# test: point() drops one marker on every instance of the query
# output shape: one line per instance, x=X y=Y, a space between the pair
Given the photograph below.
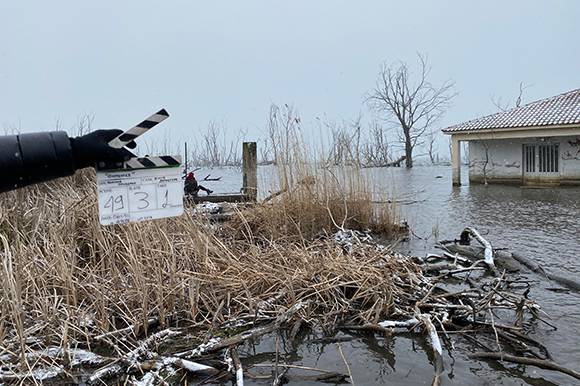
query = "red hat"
x=190 y=176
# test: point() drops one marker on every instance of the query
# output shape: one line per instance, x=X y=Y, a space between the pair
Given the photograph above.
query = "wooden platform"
x=222 y=197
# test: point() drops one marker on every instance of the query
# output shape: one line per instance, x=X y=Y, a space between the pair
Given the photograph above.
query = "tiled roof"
x=563 y=109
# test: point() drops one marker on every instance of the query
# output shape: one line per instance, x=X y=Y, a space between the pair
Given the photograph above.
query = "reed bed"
x=139 y=303
x=66 y=279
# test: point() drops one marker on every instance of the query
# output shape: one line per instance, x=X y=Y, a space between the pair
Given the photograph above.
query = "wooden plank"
x=224 y=197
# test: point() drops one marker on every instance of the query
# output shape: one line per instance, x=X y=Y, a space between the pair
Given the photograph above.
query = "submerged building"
x=534 y=144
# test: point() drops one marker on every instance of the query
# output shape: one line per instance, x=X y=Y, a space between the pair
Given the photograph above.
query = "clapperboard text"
x=144 y=188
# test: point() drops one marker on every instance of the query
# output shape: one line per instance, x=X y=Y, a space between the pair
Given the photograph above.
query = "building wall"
x=504 y=160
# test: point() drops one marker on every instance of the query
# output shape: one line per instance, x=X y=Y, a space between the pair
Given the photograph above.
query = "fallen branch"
x=536 y=268
x=394 y=323
x=280 y=379
x=216 y=344
x=238 y=370
x=145 y=347
x=345 y=363
x=541 y=363
x=208 y=178
x=131 y=359
x=396 y=163
x=488 y=253
x=298 y=367
x=436 y=344
x=128 y=329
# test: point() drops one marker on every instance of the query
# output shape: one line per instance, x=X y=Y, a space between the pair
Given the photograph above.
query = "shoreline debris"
x=165 y=300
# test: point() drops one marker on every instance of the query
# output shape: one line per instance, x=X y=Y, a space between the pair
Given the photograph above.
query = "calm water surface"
x=542 y=224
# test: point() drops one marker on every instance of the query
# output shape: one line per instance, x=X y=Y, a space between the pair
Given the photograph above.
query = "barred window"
x=548 y=158
x=530 y=158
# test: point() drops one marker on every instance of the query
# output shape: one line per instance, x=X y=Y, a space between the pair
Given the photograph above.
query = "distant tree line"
x=407 y=104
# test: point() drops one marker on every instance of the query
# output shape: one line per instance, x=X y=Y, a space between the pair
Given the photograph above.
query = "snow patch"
x=146 y=380
x=207 y=208
x=395 y=323
x=47 y=372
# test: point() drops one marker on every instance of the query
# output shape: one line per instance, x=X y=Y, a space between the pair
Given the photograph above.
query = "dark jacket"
x=30 y=158
x=191 y=186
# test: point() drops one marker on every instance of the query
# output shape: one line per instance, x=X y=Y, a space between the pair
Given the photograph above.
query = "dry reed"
x=66 y=279
x=70 y=286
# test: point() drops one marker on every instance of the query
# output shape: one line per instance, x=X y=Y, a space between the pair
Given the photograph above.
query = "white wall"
x=570 y=157
x=505 y=158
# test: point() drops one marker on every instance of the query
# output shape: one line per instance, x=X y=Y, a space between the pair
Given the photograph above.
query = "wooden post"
x=250 y=170
x=455 y=161
x=185 y=159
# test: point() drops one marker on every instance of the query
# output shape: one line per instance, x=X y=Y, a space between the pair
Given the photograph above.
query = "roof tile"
x=556 y=110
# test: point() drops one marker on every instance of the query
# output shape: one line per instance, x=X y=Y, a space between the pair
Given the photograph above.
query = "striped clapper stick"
x=153 y=162
x=139 y=129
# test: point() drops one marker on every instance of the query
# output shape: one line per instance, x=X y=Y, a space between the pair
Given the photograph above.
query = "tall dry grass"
x=66 y=279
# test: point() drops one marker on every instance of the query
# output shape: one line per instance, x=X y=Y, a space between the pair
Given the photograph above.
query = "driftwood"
x=397 y=162
x=233 y=360
x=209 y=178
x=132 y=359
x=534 y=267
x=421 y=303
x=542 y=363
x=216 y=344
x=503 y=260
x=488 y=250
x=394 y=163
x=512 y=261
x=127 y=330
x=437 y=349
x=324 y=376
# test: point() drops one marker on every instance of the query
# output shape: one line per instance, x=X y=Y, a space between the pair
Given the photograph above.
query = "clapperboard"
x=141 y=189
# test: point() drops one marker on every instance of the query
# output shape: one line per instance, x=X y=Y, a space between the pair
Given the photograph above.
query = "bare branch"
x=504 y=106
x=410 y=101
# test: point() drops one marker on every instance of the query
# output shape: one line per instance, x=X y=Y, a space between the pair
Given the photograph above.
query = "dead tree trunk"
x=408 y=149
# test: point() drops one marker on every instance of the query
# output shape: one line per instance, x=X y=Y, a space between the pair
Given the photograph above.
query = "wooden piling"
x=250 y=170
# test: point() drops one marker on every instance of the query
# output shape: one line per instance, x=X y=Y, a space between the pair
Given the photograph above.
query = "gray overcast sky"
x=228 y=60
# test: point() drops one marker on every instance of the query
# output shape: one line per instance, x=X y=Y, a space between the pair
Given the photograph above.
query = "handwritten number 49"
x=115 y=203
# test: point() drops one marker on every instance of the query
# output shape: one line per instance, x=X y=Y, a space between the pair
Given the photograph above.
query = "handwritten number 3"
x=143 y=200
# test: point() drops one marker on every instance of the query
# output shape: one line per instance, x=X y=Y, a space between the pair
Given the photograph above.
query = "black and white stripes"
x=139 y=129
x=153 y=162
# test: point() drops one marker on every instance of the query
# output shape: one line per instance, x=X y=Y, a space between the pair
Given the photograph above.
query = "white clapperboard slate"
x=143 y=188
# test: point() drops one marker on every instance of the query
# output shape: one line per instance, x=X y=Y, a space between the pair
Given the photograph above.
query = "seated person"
x=192 y=187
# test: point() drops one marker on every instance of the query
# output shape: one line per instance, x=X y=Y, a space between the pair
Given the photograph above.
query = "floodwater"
x=541 y=224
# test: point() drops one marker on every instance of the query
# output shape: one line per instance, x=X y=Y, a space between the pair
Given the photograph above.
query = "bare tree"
x=345 y=145
x=216 y=148
x=410 y=101
x=486 y=164
x=376 y=151
x=432 y=146
x=84 y=124
x=504 y=106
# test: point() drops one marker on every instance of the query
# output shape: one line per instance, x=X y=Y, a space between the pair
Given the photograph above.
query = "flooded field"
x=542 y=224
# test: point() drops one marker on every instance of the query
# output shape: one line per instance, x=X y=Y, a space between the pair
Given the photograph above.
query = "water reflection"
x=543 y=224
